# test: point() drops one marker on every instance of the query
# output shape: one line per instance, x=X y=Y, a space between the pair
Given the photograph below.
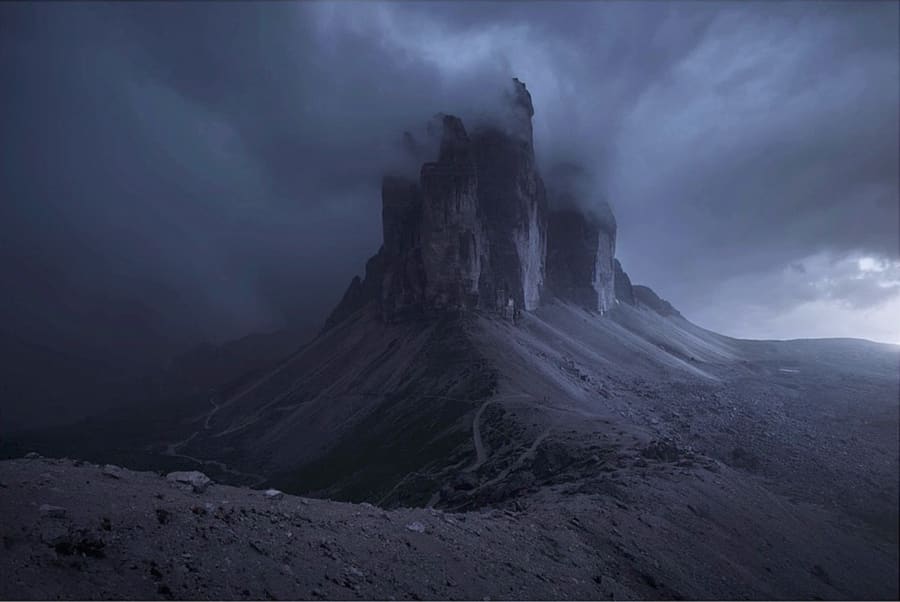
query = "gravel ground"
x=81 y=531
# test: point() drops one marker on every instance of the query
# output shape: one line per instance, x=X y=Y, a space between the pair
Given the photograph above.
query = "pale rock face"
x=513 y=200
x=603 y=280
x=531 y=246
x=581 y=259
x=623 y=289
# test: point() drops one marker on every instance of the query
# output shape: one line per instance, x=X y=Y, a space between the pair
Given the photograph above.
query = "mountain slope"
x=496 y=354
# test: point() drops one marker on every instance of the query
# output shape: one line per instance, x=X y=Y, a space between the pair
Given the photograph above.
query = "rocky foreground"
x=82 y=531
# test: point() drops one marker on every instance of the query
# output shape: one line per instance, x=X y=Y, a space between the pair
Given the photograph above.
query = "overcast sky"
x=176 y=172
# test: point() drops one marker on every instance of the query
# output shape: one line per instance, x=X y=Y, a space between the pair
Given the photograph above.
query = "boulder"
x=194 y=480
x=415 y=527
x=50 y=511
x=112 y=471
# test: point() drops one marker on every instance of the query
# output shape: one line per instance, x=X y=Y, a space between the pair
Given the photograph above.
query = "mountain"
x=83 y=531
x=403 y=360
x=495 y=354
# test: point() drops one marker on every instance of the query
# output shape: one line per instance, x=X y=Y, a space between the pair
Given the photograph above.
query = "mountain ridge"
x=495 y=355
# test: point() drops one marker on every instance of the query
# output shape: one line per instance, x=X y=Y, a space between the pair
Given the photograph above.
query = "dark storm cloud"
x=213 y=168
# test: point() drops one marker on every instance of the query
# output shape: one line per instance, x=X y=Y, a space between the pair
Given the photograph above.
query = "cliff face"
x=622 y=284
x=514 y=206
x=474 y=232
x=454 y=246
x=646 y=297
x=580 y=259
x=401 y=287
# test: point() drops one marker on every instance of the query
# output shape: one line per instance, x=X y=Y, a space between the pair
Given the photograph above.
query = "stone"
x=113 y=471
x=50 y=511
x=662 y=450
x=193 y=480
x=416 y=527
x=53 y=533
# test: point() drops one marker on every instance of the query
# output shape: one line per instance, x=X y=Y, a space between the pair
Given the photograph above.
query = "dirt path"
x=255 y=479
x=173 y=450
x=216 y=407
x=527 y=453
x=480 y=455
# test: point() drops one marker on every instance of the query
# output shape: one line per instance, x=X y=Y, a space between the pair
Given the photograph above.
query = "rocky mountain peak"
x=475 y=231
x=455 y=144
x=522 y=97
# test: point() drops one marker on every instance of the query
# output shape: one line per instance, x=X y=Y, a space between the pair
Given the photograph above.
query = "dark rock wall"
x=580 y=259
x=622 y=284
x=514 y=205
x=403 y=285
x=453 y=239
x=475 y=232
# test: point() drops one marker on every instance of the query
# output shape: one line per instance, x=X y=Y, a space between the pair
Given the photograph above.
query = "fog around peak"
x=184 y=172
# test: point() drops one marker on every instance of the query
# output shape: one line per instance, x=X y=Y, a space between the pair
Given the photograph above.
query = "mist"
x=180 y=173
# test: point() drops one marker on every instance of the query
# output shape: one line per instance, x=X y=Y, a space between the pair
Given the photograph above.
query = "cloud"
x=216 y=166
x=822 y=295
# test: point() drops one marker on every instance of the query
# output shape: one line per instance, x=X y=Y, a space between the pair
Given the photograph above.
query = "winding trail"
x=216 y=408
x=174 y=450
x=480 y=454
x=527 y=453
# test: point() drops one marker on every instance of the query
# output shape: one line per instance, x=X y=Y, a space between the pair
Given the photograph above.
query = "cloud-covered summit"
x=181 y=171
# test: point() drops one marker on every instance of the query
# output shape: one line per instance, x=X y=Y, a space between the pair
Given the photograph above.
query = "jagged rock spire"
x=472 y=232
x=523 y=97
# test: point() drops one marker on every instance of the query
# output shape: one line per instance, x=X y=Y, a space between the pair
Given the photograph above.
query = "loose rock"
x=112 y=471
x=52 y=511
x=195 y=480
x=416 y=527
